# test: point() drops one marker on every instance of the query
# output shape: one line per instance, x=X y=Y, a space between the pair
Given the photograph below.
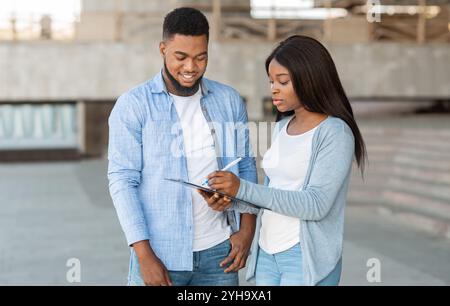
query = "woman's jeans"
x=206 y=269
x=286 y=269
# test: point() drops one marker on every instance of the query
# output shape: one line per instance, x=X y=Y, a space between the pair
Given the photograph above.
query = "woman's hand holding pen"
x=225 y=182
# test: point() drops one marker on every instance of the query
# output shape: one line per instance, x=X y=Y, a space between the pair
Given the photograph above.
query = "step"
x=438 y=132
x=435 y=190
x=427 y=144
x=422 y=204
x=388 y=170
x=408 y=163
x=416 y=221
x=437 y=206
x=419 y=219
x=384 y=149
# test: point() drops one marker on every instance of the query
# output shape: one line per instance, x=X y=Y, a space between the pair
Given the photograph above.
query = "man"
x=169 y=127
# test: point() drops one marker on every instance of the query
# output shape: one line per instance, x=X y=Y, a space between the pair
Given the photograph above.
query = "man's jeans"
x=206 y=269
x=286 y=269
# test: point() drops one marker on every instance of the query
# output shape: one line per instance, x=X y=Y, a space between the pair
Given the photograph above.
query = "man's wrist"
x=248 y=223
x=144 y=251
x=246 y=231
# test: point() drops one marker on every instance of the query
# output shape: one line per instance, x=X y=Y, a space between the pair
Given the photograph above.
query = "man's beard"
x=182 y=90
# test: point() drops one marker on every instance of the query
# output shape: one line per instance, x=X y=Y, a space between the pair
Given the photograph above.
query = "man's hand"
x=216 y=201
x=153 y=271
x=241 y=242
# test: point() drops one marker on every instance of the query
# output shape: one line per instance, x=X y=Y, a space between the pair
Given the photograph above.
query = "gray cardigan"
x=319 y=204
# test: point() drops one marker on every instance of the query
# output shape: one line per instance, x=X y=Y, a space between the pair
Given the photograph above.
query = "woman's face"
x=283 y=93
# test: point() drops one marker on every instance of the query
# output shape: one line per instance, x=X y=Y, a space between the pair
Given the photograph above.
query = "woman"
x=299 y=233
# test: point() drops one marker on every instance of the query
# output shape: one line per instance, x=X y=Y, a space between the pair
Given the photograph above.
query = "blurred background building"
x=64 y=63
x=63 y=66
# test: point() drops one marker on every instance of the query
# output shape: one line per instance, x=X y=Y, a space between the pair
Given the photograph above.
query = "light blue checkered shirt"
x=146 y=146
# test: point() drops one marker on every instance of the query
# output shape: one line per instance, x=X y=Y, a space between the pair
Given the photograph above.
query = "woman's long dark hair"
x=317 y=85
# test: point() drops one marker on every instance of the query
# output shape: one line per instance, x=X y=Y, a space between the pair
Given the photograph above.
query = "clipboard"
x=208 y=190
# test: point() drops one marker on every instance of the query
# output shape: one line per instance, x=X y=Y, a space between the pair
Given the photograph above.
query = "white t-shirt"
x=210 y=226
x=285 y=163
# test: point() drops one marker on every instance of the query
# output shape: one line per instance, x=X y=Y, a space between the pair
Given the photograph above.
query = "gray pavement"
x=52 y=212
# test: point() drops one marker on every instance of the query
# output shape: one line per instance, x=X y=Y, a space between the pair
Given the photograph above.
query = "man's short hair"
x=185 y=21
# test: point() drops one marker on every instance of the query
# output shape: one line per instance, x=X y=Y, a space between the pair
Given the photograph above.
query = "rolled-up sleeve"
x=125 y=166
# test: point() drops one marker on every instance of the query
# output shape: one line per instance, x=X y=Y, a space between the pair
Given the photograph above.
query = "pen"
x=234 y=162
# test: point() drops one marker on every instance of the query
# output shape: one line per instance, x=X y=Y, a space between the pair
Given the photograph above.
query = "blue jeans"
x=286 y=269
x=206 y=269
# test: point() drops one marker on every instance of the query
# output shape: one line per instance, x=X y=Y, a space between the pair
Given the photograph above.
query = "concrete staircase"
x=408 y=176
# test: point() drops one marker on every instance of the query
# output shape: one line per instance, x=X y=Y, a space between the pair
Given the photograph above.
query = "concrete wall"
x=31 y=71
x=141 y=6
x=355 y=29
x=398 y=70
x=122 y=20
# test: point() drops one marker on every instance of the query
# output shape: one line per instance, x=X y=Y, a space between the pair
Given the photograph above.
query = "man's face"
x=185 y=60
